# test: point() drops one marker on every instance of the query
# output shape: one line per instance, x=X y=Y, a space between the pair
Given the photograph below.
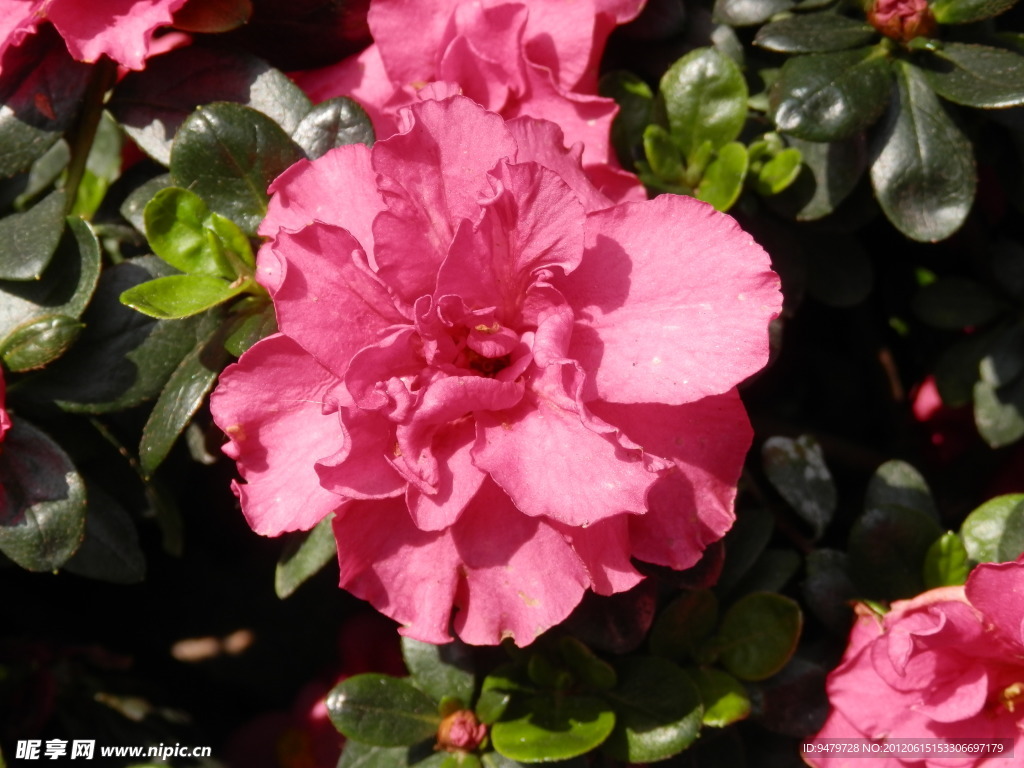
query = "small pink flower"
x=504 y=386
x=902 y=20
x=120 y=29
x=948 y=664
x=538 y=59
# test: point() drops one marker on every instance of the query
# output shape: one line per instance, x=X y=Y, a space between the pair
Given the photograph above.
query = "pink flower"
x=5 y=419
x=503 y=386
x=902 y=20
x=120 y=29
x=948 y=664
x=514 y=58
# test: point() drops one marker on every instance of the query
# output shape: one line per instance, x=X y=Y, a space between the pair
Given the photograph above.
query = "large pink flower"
x=948 y=664
x=503 y=386
x=120 y=29
x=514 y=58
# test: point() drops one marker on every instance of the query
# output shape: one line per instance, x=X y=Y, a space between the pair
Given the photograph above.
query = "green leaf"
x=636 y=105
x=705 y=99
x=923 y=171
x=955 y=303
x=725 y=698
x=181 y=231
x=999 y=412
x=657 y=710
x=744 y=13
x=110 y=550
x=814 y=33
x=64 y=289
x=30 y=238
x=152 y=104
x=134 y=206
x=359 y=755
x=1004 y=360
x=39 y=342
x=44 y=172
x=228 y=154
x=974 y=75
x=887 y=548
x=591 y=671
x=967 y=11
x=42 y=513
x=176 y=296
x=798 y=471
x=496 y=693
x=547 y=729
x=957 y=369
x=994 y=532
x=40 y=94
x=382 y=711
x=684 y=625
x=896 y=483
x=724 y=176
x=123 y=357
x=744 y=543
x=778 y=173
x=102 y=167
x=662 y=154
x=828 y=176
x=945 y=564
x=758 y=635
x=770 y=572
x=839 y=271
x=303 y=556
x=1008 y=267
x=250 y=327
x=440 y=670
x=333 y=123
x=828 y=590
x=184 y=393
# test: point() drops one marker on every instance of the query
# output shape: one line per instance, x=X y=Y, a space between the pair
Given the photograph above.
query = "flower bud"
x=902 y=20
x=460 y=732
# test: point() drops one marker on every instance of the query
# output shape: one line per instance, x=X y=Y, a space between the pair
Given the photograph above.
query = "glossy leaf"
x=831 y=96
x=798 y=471
x=333 y=123
x=110 y=550
x=684 y=625
x=887 y=548
x=636 y=104
x=496 y=693
x=974 y=75
x=955 y=303
x=181 y=231
x=828 y=176
x=742 y=13
x=896 y=483
x=250 y=328
x=134 y=206
x=966 y=11
x=758 y=635
x=814 y=33
x=994 y=532
x=228 y=154
x=42 y=512
x=945 y=564
x=30 y=238
x=440 y=670
x=827 y=590
x=303 y=556
x=723 y=178
x=770 y=572
x=705 y=99
x=923 y=171
x=657 y=710
x=546 y=729
x=724 y=697
x=102 y=167
x=999 y=412
x=356 y=754
x=382 y=711
x=39 y=342
x=744 y=543
x=590 y=671
x=152 y=104
x=778 y=173
x=1004 y=360
x=662 y=154
x=176 y=296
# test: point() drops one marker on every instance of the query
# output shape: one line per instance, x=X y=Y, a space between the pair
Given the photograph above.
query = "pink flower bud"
x=902 y=20
x=460 y=732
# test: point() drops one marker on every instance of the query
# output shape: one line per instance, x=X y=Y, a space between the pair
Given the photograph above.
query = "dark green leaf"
x=333 y=123
x=590 y=671
x=110 y=550
x=152 y=104
x=723 y=178
x=39 y=342
x=923 y=171
x=1008 y=267
x=966 y=11
x=999 y=412
x=887 y=548
x=102 y=167
x=829 y=174
x=744 y=13
x=382 y=711
x=770 y=573
x=945 y=564
x=957 y=369
x=176 y=296
x=797 y=470
x=994 y=532
x=839 y=272
x=43 y=173
x=657 y=710
x=831 y=96
x=724 y=697
x=122 y=357
x=554 y=729
x=684 y=625
x=228 y=154
x=1004 y=360
x=184 y=393
x=181 y=231
x=814 y=33
x=636 y=105
x=303 y=556
x=758 y=635
x=705 y=99
x=359 y=755
x=828 y=590
x=251 y=328
x=496 y=693
x=896 y=483
x=30 y=238
x=134 y=206
x=440 y=670
x=42 y=513
x=974 y=75
x=954 y=303
x=40 y=94
x=744 y=543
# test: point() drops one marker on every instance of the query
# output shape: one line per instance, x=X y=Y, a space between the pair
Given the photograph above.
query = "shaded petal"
x=507 y=589
x=360 y=470
x=431 y=178
x=672 y=302
x=410 y=58
x=327 y=299
x=997 y=590
x=121 y=29
x=457 y=483
x=604 y=548
x=270 y=406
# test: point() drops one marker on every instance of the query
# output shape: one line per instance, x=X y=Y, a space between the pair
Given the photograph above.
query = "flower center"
x=488 y=367
x=1011 y=697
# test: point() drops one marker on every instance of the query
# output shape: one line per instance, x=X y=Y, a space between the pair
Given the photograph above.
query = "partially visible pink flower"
x=5 y=419
x=515 y=58
x=948 y=664
x=504 y=386
x=902 y=20
x=120 y=29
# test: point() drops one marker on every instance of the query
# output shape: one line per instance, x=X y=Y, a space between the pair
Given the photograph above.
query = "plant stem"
x=80 y=138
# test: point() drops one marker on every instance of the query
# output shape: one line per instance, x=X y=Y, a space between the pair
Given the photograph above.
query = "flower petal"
x=360 y=470
x=604 y=548
x=457 y=483
x=997 y=590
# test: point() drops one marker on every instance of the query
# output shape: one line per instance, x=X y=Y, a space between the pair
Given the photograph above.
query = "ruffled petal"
x=997 y=590
x=605 y=550
x=360 y=470
x=457 y=483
